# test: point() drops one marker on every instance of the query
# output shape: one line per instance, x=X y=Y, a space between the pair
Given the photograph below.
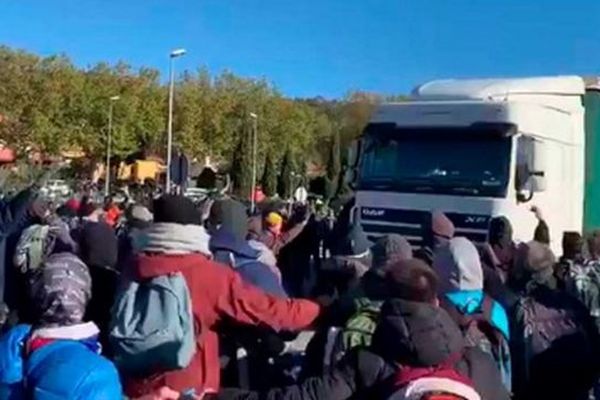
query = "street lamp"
x=254 y=117
x=112 y=100
x=174 y=54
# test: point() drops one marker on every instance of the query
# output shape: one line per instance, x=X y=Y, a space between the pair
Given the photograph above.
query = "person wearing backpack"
x=483 y=321
x=353 y=317
x=228 y=228
x=16 y=214
x=175 y=272
x=416 y=347
x=58 y=357
x=555 y=342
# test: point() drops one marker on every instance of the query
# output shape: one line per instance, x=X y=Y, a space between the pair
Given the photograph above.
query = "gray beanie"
x=60 y=290
x=539 y=257
x=390 y=248
x=458 y=266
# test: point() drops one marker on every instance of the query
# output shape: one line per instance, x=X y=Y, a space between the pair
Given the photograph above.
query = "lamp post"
x=174 y=54
x=254 y=118
x=112 y=100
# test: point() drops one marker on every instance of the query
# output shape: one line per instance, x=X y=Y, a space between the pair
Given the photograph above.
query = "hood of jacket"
x=223 y=240
x=416 y=334
x=459 y=266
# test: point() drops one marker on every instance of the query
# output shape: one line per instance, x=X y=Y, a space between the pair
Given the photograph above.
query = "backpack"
x=583 y=283
x=480 y=332
x=547 y=317
x=358 y=331
x=442 y=382
x=152 y=328
x=29 y=253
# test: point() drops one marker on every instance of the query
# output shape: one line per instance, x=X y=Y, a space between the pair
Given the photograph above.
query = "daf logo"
x=474 y=219
x=372 y=212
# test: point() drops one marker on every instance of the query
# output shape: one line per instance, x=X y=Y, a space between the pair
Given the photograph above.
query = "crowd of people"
x=174 y=300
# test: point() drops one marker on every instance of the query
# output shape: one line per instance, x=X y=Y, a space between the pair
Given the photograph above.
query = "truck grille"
x=378 y=222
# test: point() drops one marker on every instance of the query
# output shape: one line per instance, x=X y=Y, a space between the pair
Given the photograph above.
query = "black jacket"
x=15 y=216
x=409 y=333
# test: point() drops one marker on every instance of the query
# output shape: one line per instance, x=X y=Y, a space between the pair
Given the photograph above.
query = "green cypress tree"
x=241 y=167
x=285 y=181
x=334 y=167
x=269 y=178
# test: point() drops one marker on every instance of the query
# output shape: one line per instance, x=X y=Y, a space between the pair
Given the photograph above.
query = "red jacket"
x=216 y=292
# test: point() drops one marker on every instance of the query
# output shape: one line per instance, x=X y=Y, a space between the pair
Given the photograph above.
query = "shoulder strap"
x=457 y=316
x=486 y=307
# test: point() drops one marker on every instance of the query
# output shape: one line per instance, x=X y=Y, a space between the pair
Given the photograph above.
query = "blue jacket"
x=469 y=302
x=64 y=369
x=244 y=259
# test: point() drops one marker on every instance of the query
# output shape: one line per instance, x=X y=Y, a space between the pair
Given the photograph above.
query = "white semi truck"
x=476 y=149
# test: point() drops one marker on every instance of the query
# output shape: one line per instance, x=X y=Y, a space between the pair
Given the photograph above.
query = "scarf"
x=168 y=238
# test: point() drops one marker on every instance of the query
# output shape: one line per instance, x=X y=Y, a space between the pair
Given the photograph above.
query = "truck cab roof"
x=498 y=89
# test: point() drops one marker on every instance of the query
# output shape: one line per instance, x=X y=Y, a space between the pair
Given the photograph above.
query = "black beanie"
x=98 y=245
x=176 y=210
x=354 y=243
x=231 y=216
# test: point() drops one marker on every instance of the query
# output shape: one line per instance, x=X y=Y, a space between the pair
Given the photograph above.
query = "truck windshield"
x=437 y=161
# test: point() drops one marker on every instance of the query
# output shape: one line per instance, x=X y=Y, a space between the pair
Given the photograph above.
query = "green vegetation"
x=50 y=105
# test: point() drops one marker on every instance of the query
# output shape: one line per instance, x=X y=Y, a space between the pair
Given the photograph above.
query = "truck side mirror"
x=537 y=170
x=531 y=168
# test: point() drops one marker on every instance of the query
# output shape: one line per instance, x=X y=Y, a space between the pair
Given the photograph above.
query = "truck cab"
x=474 y=149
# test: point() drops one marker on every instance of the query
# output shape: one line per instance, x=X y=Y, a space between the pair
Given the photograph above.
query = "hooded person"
x=35 y=245
x=555 y=343
x=59 y=356
x=413 y=334
x=437 y=232
x=461 y=287
x=351 y=259
x=228 y=228
x=98 y=248
x=177 y=243
x=16 y=214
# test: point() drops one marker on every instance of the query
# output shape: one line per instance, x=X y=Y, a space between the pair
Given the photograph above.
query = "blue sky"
x=319 y=47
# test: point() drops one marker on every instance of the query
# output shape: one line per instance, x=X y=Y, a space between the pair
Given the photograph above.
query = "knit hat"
x=98 y=245
x=390 y=248
x=354 y=243
x=176 y=210
x=441 y=225
x=458 y=266
x=60 y=291
x=230 y=215
x=539 y=257
x=139 y=216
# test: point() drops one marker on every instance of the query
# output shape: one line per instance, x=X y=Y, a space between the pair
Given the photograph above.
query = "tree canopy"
x=50 y=105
